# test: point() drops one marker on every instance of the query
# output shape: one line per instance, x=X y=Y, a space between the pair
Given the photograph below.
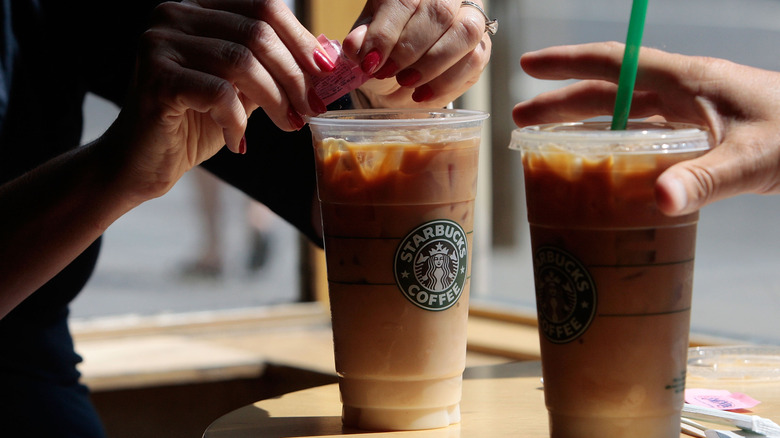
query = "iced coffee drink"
x=613 y=275
x=397 y=194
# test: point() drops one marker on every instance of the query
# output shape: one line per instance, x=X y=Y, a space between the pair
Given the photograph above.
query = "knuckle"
x=258 y=33
x=405 y=49
x=148 y=40
x=153 y=50
x=614 y=49
x=237 y=57
x=152 y=38
x=441 y=13
x=383 y=35
x=264 y=8
x=222 y=91
x=706 y=183
x=411 y=5
x=166 y=12
x=480 y=57
x=472 y=29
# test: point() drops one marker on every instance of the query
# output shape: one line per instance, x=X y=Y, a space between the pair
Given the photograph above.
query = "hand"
x=739 y=104
x=434 y=49
x=204 y=66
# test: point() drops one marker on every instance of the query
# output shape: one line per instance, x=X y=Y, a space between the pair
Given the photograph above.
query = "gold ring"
x=491 y=26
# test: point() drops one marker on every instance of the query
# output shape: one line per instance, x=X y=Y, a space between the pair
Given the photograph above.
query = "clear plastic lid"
x=748 y=363
x=404 y=125
x=597 y=138
x=398 y=118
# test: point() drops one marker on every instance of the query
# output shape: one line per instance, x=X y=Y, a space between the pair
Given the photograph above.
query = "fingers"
x=258 y=23
x=169 y=90
x=265 y=52
x=739 y=104
x=447 y=85
x=584 y=61
x=657 y=71
x=433 y=24
x=603 y=61
x=396 y=34
x=465 y=46
x=583 y=100
x=668 y=85
x=575 y=102
x=436 y=48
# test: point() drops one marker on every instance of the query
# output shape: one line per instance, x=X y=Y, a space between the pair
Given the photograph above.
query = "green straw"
x=628 y=69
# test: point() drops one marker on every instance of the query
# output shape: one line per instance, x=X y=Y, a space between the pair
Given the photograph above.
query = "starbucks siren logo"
x=565 y=295
x=430 y=264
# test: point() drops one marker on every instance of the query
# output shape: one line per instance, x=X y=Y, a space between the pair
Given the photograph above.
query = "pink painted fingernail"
x=295 y=119
x=242 y=145
x=408 y=77
x=316 y=104
x=387 y=70
x=323 y=62
x=422 y=93
x=371 y=62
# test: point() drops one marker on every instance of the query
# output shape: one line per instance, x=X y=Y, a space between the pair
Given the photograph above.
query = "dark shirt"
x=53 y=52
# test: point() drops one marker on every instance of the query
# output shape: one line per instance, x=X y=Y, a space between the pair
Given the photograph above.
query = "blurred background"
x=163 y=258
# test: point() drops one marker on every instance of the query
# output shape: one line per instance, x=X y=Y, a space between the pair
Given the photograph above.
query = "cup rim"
x=397 y=117
x=638 y=137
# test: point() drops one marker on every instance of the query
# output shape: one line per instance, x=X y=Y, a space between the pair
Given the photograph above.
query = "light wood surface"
x=512 y=389
x=136 y=352
x=498 y=401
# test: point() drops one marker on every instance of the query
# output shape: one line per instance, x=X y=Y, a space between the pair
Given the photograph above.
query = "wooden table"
x=498 y=401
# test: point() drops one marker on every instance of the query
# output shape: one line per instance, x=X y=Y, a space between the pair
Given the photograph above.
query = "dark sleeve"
x=107 y=34
x=277 y=170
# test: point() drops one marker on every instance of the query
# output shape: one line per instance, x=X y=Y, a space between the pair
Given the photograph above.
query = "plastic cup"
x=613 y=275
x=396 y=191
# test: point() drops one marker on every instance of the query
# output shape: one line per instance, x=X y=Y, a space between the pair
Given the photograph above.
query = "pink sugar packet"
x=346 y=77
x=719 y=399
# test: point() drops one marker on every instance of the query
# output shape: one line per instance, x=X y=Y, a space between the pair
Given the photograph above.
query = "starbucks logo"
x=565 y=295
x=430 y=264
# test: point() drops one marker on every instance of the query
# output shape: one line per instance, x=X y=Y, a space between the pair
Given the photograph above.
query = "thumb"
x=727 y=170
x=357 y=35
x=683 y=188
x=354 y=41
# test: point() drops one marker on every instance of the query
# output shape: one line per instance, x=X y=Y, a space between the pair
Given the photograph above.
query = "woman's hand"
x=739 y=104
x=422 y=53
x=204 y=66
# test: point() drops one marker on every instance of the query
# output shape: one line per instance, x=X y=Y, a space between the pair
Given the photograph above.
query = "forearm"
x=50 y=215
